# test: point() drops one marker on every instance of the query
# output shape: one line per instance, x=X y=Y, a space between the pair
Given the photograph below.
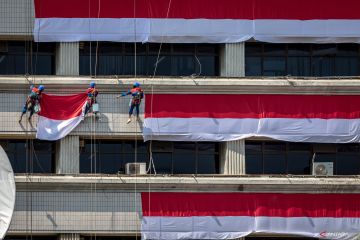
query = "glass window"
x=18 y=57
x=30 y=156
x=296 y=158
x=174 y=59
x=110 y=156
x=302 y=59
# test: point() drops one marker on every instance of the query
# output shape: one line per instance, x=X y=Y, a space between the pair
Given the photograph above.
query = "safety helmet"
x=41 y=88
x=136 y=84
x=92 y=84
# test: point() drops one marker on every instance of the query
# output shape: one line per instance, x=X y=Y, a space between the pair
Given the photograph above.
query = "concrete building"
x=76 y=188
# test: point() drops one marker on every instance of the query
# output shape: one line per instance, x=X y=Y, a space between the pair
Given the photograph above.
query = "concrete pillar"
x=69 y=236
x=67 y=155
x=232 y=60
x=232 y=159
x=67 y=58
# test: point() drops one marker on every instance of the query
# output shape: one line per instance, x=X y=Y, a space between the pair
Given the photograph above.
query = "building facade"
x=77 y=187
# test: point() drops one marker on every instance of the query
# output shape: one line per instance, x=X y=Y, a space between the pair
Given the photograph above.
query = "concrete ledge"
x=191 y=85
x=217 y=183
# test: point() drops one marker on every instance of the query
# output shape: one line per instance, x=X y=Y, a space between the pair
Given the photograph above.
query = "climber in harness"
x=92 y=93
x=137 y=94
x=32 y=103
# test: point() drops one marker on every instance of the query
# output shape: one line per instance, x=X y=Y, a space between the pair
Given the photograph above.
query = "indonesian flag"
x=234 y=215
x=59 y=115
x=198 y=21
x=227 y=117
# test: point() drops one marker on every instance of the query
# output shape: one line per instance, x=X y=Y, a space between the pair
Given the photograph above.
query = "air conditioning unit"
x=135 y=168
x=323 y=168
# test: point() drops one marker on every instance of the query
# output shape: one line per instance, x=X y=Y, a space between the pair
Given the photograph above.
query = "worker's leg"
x=131 y=110
x=137 y=111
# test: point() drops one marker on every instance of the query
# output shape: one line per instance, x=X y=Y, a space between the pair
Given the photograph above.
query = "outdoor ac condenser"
x=135 y=168
x=323 y=168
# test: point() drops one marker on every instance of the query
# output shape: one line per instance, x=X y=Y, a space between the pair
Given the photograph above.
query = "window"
x=18 y=57
x=110 y=157
x=174 y=59
x=30 y=156
x=320 y=60
x=296 y=158
x=32 y=237
x=186 y=157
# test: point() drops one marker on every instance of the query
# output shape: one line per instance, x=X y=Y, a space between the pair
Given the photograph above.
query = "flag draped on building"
x=234 y=215
x=59 y=115
x=220 y=117
x=198 y=21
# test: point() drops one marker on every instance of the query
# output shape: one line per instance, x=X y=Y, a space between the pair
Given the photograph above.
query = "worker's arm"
x=124 y=94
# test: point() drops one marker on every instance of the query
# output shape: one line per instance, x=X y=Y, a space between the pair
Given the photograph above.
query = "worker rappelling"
x=137 y=94
x=32 y=103
x=92 y=93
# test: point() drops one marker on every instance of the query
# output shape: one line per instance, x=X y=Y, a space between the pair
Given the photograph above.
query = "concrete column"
x=232 y=60
x=67 y=155
x=232 y=159
x=69 y=236
x=67 y=58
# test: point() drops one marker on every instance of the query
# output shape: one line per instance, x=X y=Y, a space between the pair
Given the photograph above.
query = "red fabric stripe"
x=250 y=204
x=209 y=9
x=62 y=107
x=252 y=106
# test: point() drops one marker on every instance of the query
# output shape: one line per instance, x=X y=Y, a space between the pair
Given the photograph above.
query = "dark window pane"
x=274 y=49
x=348 y=164
x=274 y=66
x=299 y=50
x=299 y=162
x=254 y=163
x=207 y=164
x=163 y=67
x=299 y=66
x=180 y=147
x=208 y=148
x=206 y=67
x=109 y=147
x=323 y=66
x=108 y=163
x=253 y=66
x=325 y=157
x=348 y=50
x=129 y=147
x=184 y=163
x=274 y=147
x=25 y=57
x=274 y=163
x=347 y=66
x=300 y=147
x=253 y=148
x=183 y=65
x=253 y=49
x=162 y=162
x=162 y=146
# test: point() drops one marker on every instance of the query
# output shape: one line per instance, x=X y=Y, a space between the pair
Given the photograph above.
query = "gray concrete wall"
x=16 y=18
x=81 y=211
x=67 y=155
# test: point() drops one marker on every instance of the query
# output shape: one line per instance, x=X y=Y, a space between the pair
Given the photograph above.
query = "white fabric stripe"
x=211 y=227
x=51 y=130
x=194 y=30
x=228 y=129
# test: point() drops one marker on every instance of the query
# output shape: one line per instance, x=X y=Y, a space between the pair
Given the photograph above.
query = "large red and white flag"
x=226 y=117
x=234 y=215
x=197 y=21
x=59 y=115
